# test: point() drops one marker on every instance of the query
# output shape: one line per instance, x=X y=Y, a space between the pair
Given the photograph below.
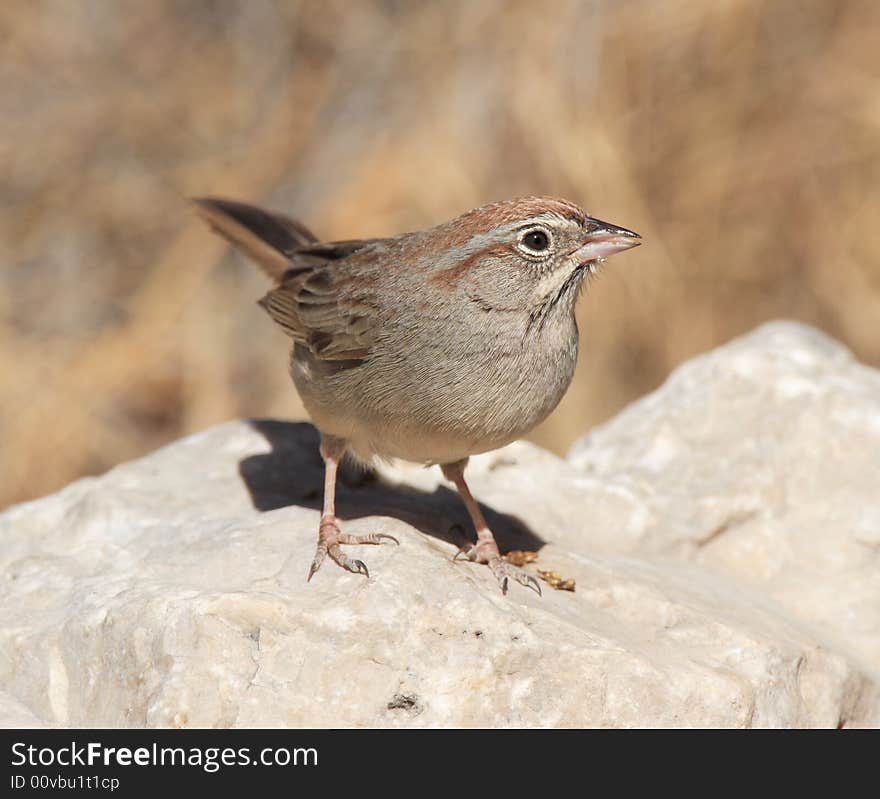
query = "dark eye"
x=535 y=242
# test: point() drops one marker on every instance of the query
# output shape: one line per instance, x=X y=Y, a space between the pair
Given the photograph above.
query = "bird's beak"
x=604 y=239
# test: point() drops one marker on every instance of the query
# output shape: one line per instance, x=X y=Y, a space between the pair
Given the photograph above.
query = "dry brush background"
x=740 y=138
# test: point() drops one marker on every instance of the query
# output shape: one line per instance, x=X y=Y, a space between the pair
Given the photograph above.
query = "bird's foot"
x=330 y=537
x=486 y=551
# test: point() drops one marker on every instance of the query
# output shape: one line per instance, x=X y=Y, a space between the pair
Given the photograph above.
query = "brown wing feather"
x=311 y=309
x=308 y=304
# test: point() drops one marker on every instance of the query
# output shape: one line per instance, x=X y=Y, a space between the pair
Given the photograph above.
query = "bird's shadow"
x=293 y=474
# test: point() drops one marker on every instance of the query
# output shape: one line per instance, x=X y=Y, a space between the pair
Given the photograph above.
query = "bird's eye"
x=535 y=241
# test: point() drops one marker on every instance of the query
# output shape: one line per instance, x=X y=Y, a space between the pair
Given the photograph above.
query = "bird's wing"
x=321 y=307
x=316 y=302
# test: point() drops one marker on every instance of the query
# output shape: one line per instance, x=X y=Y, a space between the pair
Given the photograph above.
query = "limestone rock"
x=171 y=591
x=14 y=715
x=760 y=460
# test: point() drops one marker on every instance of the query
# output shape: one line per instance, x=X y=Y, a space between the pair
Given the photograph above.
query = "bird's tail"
x=269 y=239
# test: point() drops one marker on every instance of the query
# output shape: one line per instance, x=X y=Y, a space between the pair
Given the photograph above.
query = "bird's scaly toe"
x=487 y=552
x=330 y=539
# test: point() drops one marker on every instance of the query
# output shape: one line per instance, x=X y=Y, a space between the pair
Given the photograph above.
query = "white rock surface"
x=762 y=461
x=701 y=525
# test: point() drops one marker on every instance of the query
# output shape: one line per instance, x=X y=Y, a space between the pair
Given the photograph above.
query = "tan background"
x=740 y=138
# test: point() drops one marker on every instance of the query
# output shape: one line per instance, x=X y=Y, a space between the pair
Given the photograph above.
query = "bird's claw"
x=320 y=554
x=329 y=540
x=529 y=582
x=361 y=568
x=502 y=570
x=465 y=554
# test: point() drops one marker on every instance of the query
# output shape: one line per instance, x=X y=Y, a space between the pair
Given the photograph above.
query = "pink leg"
x=486 y=548
x=329 y=534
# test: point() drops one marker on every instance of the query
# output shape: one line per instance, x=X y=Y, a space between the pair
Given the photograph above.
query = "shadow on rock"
x=293 y=474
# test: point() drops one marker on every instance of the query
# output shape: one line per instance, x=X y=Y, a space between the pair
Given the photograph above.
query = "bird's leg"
x=329 y=534
x=486 y=549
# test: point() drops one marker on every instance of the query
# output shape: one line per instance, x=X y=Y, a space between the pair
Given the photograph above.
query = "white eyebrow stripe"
x=485 y=238
x=550 y=216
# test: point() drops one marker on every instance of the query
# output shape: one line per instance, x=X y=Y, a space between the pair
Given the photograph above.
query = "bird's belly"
x=433 y=419
x=417 y=446
x=390 y=435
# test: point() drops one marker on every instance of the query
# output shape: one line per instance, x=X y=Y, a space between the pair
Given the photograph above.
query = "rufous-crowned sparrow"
x=428 y=346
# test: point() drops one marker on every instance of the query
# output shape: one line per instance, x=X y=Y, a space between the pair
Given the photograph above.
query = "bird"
x=429 y=346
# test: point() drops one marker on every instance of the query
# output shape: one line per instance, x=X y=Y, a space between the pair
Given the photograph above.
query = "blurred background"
x=740 y=138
